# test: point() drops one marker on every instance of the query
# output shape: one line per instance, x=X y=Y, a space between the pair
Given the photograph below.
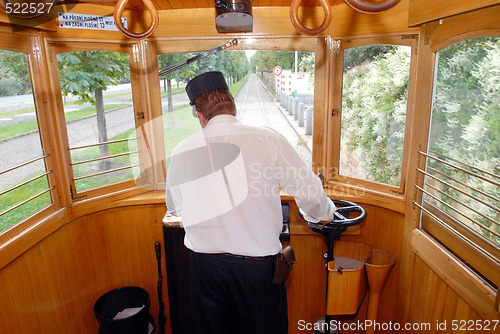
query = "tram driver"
x=224 y=182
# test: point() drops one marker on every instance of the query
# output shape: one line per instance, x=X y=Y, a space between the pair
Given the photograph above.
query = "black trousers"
x=235 y=295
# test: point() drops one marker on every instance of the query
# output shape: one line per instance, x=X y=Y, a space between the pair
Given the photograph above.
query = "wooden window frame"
x=140 y=81
x=31 y=43
x=478 y=253
x=435 y=36
x=355 y=185
x=319 y=45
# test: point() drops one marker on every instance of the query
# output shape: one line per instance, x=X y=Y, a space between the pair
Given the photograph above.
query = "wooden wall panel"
x=446 y=295
x=307 y=282
x=268 y=21
x=422 y=11
x=383 y=229
x=53 y=286
x=436 y=304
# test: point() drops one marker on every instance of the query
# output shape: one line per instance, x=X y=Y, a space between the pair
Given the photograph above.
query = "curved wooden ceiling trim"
x=190 y=4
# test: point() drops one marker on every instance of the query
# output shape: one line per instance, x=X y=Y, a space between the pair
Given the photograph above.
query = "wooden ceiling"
x=190 y=4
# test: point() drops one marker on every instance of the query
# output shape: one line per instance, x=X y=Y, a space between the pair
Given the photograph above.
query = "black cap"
x=204 y=83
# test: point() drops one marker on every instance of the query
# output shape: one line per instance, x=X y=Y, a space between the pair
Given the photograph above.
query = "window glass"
x=99 y=114
x=263 y=97
x=374 y=98
x=464 y=144
x=24 y=188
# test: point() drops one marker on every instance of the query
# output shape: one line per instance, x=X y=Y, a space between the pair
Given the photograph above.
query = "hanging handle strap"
x=370 y=6
x=294 y=10
x=120 y=7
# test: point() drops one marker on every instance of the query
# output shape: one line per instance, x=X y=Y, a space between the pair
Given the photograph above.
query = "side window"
x=24 y=185
x=461 y=190
x=375 y=83
x=99 y=114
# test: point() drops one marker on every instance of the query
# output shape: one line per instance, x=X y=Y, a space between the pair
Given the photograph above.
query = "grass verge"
x=14 y=129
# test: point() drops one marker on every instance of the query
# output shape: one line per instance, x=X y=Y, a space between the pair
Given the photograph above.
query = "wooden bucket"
x=347 y=282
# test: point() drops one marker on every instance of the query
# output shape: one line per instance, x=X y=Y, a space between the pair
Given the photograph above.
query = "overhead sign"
x=86 y=21
x=277 y=70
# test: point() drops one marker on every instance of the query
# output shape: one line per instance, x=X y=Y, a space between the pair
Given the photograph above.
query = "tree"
x=14 y=73
x=366 y=53
x=182 y=74
x=265 y=61
x=373 y=115
x=87 y=74
x=234 y=65
x=466 y=125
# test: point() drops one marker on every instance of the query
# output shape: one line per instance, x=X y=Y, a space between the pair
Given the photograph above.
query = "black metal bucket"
x=131 y=298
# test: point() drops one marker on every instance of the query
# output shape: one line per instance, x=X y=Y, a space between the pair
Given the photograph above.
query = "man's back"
x=232 y=174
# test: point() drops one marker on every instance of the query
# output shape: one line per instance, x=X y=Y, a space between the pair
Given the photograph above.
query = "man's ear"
x=202 y=119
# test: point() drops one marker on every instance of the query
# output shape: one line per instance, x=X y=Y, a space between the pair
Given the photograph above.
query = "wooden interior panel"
x=307 y=282
x=482 y=22
x=53 y=286
x=435 y=303
x=444 y=289
x=382 y=229
x=422 y=11
x=179 y=4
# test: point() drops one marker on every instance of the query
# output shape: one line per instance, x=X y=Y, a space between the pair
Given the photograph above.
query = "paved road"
x=255 y=106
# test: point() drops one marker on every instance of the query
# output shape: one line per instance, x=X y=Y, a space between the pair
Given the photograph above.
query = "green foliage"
x=14 y=73
x=20 y=194
x=234 y=65
x=466 y=127
x=93 y=167
x=182 y=74
x=10 y=130
x=307 y=63
x=265 y=61
x=366 y=53
x=466 y=110
x=374 y=113
x=84 y=72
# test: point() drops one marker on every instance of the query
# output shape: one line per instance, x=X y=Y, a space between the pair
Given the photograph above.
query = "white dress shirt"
x=225 y=180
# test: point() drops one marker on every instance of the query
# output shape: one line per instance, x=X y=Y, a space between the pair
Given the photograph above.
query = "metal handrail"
x=467 y=165
x=457 y=234
x=105 y=172
x=463 y=184
x=463 y=170
x=23 y=164
x=25 y=201
x=24 y=183
x=100 y=144
x=459 y=190
x=104 y=158
x=456 y=210
x=463 y=204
